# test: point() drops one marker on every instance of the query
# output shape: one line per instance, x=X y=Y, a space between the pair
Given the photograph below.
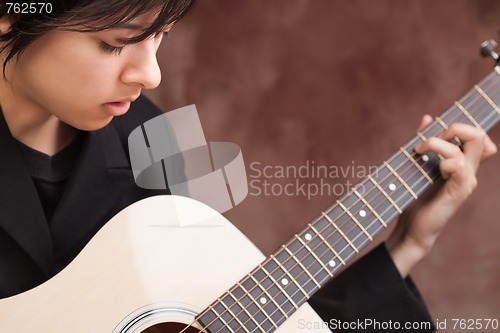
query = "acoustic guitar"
x=172 y=264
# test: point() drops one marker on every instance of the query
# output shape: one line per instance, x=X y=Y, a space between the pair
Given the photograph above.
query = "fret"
x=406 y=170
x=487 y=98
x=314 y=255
x=426 y=175
x=355 y=220
x=484 y=114
x=401 y=180
x=347 y=224
x=392 y=185
x=250 y=321
x=366 y=216
x=251 y=308
x=265 y=295
x=296 y=275
x=441 y=122
x=349 y=229
x=277 y=284
x=302 y=266
x=260 y=308
x=469 y=101
x=225 y=317
x=340 y=232
x=467 y=114
x=210 y=320
x=412 y=175
x=327 y=244
x=385 y=194
x=227 y=310
x=295 y=283
x=429 y=162
x=269 y=297
x=421 y=136
x=330 y=234
x=374 y=212
x=458 y=142
x=268 y=284
x=288 y=278
x=307 y=262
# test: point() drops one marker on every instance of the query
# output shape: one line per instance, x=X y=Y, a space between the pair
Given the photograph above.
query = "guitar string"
x=320 y=270
x=358 y=201
x=348 y=220
x=384 y=212
x=342 y=251
x=375 y=221
x=459 y=115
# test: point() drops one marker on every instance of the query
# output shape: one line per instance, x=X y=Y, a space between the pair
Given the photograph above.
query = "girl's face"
x=84 y=79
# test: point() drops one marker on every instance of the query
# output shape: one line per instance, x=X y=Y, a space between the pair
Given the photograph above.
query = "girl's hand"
x=419 y=226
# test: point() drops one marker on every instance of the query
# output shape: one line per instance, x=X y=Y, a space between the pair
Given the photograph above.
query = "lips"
x=119 y=107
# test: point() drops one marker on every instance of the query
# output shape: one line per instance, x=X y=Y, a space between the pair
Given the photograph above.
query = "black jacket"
x=32 y=249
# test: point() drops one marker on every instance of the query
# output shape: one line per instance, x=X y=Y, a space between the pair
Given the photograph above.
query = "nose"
x=142 y=66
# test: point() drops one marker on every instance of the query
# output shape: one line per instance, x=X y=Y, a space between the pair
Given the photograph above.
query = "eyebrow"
x=131 y=26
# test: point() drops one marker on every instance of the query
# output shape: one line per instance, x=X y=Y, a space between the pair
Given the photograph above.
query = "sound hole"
x=170 y=328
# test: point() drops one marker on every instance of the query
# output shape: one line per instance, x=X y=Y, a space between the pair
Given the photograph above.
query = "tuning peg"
x=488 y=49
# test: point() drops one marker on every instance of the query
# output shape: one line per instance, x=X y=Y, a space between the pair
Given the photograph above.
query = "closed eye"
x=107 y=48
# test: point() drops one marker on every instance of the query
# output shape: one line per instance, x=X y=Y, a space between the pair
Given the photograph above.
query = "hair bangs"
x=90 y=16
x=116 y=13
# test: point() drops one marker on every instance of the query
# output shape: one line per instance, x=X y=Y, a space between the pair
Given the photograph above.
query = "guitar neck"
x=269 y=294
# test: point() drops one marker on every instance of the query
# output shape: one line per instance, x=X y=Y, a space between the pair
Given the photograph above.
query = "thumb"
x=426 y=120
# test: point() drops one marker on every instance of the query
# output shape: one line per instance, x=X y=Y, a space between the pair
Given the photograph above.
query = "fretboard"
x=269 y=294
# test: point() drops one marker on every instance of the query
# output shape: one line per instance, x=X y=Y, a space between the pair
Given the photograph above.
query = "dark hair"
x=88 y=16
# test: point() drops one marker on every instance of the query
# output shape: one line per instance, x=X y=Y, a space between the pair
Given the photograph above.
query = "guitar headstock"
x=488 y=50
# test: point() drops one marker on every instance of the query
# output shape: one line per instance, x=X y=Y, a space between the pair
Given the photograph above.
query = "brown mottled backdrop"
x=341 y=83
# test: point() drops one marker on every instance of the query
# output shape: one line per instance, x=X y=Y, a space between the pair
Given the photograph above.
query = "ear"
x=5 y=24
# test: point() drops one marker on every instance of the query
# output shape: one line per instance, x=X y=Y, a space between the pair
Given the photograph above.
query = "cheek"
x=85 y=73
x=73 y=70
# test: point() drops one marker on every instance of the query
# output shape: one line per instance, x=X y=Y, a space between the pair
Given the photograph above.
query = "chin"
x=93 y=125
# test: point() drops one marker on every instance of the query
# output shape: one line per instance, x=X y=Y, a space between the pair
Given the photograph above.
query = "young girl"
x=70 y=94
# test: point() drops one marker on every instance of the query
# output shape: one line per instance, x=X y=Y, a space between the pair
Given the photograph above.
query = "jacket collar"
x=21 y=213
x=100 y=177
x=97 y=181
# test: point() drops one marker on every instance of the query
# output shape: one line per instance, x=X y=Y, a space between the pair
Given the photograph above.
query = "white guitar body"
x=146 y=266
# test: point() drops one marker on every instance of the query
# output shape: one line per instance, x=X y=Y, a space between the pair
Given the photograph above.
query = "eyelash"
x=118 y=49
x=111 y=49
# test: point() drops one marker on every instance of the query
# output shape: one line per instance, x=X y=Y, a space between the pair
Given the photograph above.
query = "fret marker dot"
x=362 y=213
x=263 y=300
x=425 y=158
x=331 y=263
x=308 y=237
x=284 y=282
x=392 y=187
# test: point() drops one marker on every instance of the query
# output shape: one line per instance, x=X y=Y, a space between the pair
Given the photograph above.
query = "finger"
x=426 y=120
x=474 y=141
x=450 y=166
x=464 y=132
x=464 y=177
x=490 y=148
x=439 y=146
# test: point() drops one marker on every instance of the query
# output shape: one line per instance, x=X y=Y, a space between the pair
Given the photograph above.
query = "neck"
x=48 y=137
x=34 y=126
